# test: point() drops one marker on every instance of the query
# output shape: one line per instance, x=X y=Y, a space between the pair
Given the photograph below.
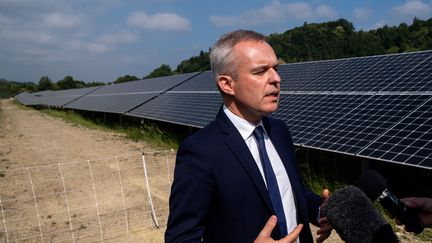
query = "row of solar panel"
x=376 y=107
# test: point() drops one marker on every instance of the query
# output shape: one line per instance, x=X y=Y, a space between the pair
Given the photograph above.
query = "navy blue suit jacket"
x=218 y=193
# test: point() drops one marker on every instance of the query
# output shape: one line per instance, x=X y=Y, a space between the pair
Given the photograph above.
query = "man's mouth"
x=273 y=94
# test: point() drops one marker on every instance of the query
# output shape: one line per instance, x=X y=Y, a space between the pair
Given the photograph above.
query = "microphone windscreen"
x=371 y=183
x=354 y=217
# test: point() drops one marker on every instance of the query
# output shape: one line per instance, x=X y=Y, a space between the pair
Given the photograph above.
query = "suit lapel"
x=239 y=148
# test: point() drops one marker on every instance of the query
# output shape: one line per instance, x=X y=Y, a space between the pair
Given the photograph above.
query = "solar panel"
x=365 y=122
x=337 y=78
x=36 y=98
x=202 y=82
x=24 y=98
x=123 y=97
x=385 y=74
x=309 y=114
x=295 y=79
x=417 y=79
x=401 y=72
x=192 y=103
x=191 y=109
x=62 y=97
x=357 y=106
x=408 y=141
x=348 y=123
x=115 y=103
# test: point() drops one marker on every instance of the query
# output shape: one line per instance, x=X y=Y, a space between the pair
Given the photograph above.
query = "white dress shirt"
x=246 y=131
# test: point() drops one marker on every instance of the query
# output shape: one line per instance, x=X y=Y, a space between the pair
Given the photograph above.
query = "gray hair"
x=222 y=57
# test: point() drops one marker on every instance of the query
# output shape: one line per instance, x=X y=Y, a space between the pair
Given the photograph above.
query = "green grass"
x=152 y=133
x=74 y=118
x=148 y=132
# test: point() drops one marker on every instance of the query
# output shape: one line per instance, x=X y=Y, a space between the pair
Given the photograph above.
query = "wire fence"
x=86 y=201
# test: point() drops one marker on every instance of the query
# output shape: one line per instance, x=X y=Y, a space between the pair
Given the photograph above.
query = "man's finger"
x=323 y=237
x=325 y=194
x=268 y=228
x=293 y=235
x=324 y=229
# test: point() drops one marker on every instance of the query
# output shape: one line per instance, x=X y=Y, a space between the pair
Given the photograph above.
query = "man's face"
x=256 y=87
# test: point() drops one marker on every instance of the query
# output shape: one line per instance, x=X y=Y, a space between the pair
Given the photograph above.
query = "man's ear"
x=226 y=84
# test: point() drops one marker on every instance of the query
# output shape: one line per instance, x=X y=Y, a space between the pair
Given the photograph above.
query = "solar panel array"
x=193 y=103
x=123 y=97
x=377 y=107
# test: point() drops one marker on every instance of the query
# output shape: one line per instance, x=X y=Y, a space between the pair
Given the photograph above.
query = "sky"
x=101 y=40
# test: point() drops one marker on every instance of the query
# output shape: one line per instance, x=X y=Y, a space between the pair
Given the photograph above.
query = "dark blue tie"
x=272 y=185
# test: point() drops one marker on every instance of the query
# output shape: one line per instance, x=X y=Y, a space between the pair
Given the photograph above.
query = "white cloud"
x=414 y=8
x=276 y=12
x=106 y=43
x=119 y=38
x=5 y=20
x=379 y=24
x=361 y=13
x=109 y=41
x=28 y=36
x=159 y=21
x=61 y=20
x=74 y=44
x=326 y=12
x=296 y=10
x=97 y=48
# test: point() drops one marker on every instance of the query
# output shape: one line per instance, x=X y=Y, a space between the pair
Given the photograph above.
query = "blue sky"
x=100 y=40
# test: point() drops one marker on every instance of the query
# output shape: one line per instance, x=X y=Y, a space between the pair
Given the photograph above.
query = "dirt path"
x=61 y=182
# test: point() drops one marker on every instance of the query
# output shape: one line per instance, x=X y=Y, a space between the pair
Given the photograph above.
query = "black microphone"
x=375 y=188
x=355 y=219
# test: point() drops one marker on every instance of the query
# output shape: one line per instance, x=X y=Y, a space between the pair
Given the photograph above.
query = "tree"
x=45 y=83
x=12 y=88
x=68 y=82
x=195 y=63
x=94 y=83
x=126 y=78
x=163 y=70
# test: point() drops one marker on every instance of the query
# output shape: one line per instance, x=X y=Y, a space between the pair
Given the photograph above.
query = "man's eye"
x=261 y=71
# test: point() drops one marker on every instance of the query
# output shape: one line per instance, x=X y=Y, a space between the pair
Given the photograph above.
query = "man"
x=223 y=189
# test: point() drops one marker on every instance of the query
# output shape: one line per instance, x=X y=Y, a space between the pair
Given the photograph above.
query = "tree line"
x=309 y=42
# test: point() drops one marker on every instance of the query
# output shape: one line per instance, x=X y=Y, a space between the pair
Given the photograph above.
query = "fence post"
x=67 y=203
x=168 y=167
x=4 y=222
x=96 y=200
x=153 y=213
x=35 y=202
x=122 y=192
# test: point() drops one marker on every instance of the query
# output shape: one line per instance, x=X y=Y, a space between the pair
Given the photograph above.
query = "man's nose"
x=274 y=77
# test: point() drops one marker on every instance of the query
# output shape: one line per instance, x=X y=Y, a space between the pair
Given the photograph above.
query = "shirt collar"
x=244 y=127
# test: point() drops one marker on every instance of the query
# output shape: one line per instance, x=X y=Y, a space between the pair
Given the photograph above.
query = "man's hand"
x=325 y=227
x=264 y=235
x=422 y=206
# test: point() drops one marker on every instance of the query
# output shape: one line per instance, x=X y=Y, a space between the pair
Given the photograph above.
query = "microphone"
x=355 y=219
x=375 y=187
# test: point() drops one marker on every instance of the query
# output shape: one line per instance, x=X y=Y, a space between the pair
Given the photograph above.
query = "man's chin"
x=270 y=110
